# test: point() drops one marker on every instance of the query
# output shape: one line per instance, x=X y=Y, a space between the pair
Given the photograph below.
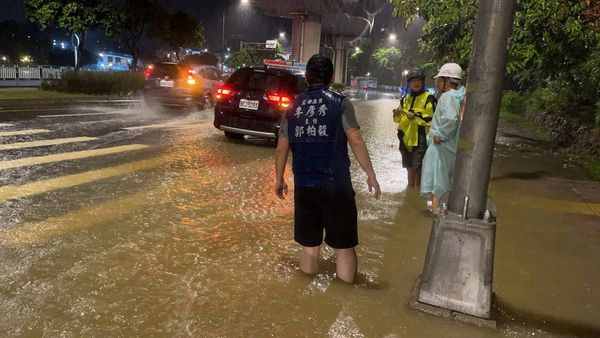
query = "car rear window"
x=165 y=69
x=251 y=79
x=212 y=74
x=266 y=81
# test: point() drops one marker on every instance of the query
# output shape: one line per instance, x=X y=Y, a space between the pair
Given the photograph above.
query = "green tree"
x=355 y=63
x=391 y=59
x=76 y=17
x=181 y=30
x=555 y=46
x=549 y=36
x=448 y=32
x=251 y=57
x=134 y=20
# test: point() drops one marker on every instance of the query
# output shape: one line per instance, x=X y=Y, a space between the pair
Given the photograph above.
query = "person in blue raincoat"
x=438 y=163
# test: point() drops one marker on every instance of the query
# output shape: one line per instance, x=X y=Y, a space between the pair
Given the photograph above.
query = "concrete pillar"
x=339 y=60
x=306 y=36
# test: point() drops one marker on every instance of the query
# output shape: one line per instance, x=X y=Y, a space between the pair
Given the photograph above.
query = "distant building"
x=114 y=61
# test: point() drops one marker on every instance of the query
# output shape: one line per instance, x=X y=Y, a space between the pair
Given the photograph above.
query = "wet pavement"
x=128 y=222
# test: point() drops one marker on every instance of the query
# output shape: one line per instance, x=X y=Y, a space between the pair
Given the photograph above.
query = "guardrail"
x=29 y=76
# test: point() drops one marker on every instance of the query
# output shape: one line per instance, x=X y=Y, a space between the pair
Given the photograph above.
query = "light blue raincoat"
x=438 y=163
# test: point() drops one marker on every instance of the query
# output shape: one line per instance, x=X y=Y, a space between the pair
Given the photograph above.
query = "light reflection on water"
x=210 y=253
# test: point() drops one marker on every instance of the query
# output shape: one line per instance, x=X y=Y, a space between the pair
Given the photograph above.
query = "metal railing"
x=34 y=73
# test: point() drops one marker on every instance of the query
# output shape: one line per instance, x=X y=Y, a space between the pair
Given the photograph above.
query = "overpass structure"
x=344 y=22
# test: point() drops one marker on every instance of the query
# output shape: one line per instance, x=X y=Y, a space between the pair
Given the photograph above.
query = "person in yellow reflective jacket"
x=413 y=117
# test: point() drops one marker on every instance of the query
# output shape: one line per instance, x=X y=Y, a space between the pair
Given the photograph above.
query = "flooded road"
x=128 y=223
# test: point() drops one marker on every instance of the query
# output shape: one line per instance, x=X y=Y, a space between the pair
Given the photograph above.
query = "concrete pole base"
x=414 y=304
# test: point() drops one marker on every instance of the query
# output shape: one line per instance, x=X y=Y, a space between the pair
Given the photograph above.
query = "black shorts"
x=332 y=210
x=414 y=158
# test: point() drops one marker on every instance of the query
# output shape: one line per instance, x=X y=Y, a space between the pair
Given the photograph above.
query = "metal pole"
x=223 y=41
x=458 y=271
x=484 y=92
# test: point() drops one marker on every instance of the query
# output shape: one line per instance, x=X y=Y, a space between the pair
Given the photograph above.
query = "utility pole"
x=223 y=41
x=457 y=276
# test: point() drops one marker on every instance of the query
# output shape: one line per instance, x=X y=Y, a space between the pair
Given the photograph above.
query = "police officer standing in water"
x=318 y=127
x=414 y=119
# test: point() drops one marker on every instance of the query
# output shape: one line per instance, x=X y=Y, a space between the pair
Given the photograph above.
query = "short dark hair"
x=319 y=70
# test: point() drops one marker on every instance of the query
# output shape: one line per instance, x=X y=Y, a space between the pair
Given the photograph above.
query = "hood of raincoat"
x=458 y=94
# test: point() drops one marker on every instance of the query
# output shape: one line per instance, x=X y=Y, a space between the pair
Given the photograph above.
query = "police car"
x=253 y=100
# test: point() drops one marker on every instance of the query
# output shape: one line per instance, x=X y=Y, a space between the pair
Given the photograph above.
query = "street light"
x=392 y=37
x=357 y=49
x=244 y=2
x=282 y=35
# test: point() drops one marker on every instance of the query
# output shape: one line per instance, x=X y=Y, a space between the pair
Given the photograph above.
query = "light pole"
x=243 y=2
x=458 y=270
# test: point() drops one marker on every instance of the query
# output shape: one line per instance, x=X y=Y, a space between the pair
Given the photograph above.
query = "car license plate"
x=249 y=104
x=167 y=83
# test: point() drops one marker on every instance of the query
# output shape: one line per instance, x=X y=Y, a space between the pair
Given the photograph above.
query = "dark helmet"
x=319 y=69
x=415 y=73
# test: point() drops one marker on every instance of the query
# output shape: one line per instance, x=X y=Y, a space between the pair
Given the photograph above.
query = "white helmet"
x=451 y=70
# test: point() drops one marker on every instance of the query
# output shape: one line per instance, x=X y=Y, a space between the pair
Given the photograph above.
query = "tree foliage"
x=392 y=60
x=180 y=31
x=388 y=57
x=250 y=57
x=553 y=44
x=76 y=17
x=133 y=21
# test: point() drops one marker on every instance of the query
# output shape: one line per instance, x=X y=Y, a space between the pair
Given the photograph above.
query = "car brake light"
x=149 y=70
x=282 y=101
x=191 y=79
x=285 y=101
x=223 y=92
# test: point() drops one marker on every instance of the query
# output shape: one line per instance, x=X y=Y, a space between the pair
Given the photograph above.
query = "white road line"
x=87 y=114
x=39 y=187
x=23 y=132
x=6 y=124
x=164 y=125
x=75 y=155
x=43 y=143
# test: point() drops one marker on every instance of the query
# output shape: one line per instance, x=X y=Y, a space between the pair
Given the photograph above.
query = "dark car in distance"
x=171 y=85
x=253 y=100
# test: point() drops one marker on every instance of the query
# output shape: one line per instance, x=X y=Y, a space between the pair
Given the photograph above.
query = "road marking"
x=109 y=211
x=6 y=124
x=582 y=208
x=87 y=114
x=40 y=187
x=75 y=155
x=23 y=132
x=165 y=125
x=21 y=145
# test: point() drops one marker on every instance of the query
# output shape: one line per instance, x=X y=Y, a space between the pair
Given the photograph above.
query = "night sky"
x=241 y=23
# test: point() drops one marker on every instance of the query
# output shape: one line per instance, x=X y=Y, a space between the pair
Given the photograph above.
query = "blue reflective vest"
x=318 y=141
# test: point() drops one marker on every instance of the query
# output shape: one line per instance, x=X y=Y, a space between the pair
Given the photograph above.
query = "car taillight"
x=223 y=92
x=282 y=101
x=286 y=101
x=191 y=79
x=149 y=71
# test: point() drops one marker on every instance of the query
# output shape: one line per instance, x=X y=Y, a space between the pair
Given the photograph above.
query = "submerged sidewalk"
x=547 y=255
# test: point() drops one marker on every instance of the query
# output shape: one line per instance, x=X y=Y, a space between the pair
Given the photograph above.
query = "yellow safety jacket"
x=423 y=105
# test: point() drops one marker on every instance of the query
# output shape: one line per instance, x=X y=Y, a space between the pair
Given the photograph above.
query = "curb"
x=7 y=105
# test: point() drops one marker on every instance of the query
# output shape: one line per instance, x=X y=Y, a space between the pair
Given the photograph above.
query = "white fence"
x=8 y=73
x=29 y=76
x=31 y=72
